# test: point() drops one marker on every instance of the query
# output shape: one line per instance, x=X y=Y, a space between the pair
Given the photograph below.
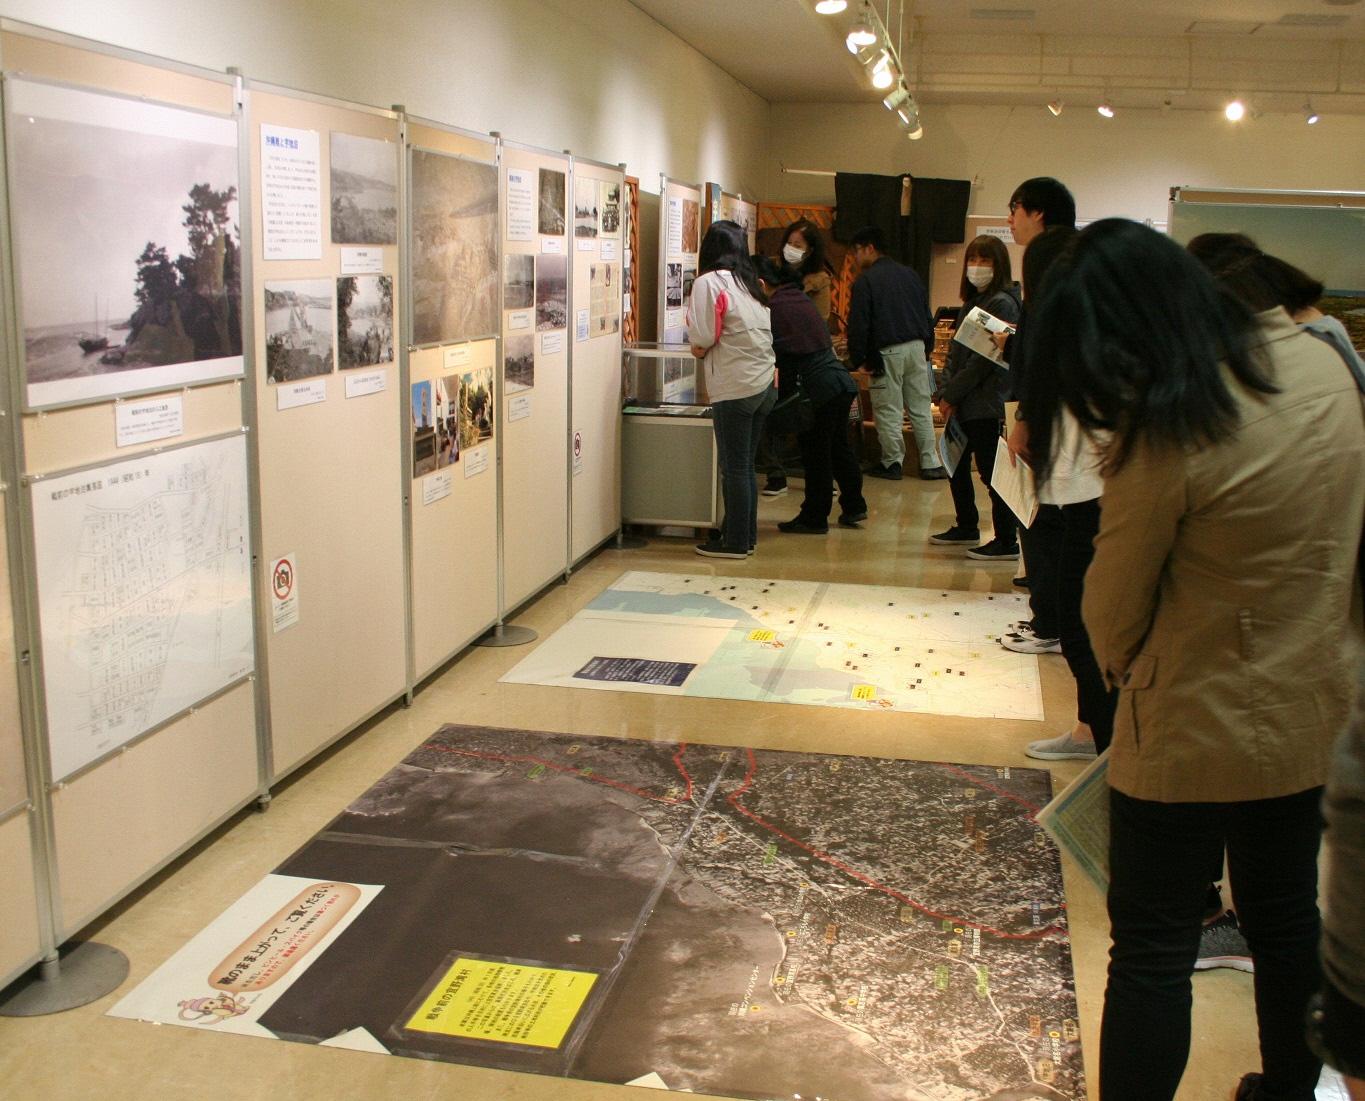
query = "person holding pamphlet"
x=1220 y=606
x=973 y=393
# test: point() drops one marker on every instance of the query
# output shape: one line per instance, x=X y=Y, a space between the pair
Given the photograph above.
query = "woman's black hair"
x=774 y=272
x=1002 y=272
x=1260 y=280
x=726 y=248
x=1132 y=336
x=816 y=258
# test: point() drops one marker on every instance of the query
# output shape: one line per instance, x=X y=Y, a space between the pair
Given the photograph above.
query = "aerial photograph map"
x=713 y=919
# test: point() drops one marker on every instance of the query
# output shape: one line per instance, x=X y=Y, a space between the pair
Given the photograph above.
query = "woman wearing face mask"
x=803 y=248
x=974 y=390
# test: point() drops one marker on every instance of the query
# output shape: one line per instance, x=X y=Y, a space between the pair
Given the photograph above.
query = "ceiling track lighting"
x=1235 y=111
x=1056 y=107
x=860 y=34
x=1309 y=115
x=1105 y=108
x=831 y=7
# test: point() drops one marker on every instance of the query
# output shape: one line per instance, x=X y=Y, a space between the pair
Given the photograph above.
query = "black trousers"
x=1159 y=855
x=1095 y=701
x=982 y=437
x=1041 y=543
x=828 y=458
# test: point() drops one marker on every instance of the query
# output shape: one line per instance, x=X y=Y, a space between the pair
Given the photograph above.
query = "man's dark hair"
x=869 y=236
x=1132 y=336
x=1044 y=251
x=1048 y=196
x=1258 y=279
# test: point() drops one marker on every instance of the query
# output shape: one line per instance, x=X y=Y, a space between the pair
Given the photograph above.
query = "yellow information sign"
x=506 y=1002
x=864 y=691
x=762 y=636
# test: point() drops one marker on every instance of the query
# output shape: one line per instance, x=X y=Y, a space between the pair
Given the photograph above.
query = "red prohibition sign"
x=283 y=580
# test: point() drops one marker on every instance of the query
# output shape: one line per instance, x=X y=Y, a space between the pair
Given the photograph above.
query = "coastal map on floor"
x=754 y=924
x=861 y=646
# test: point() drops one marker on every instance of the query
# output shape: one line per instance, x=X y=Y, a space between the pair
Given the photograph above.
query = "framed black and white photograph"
x=551 y=217
x=552 y=292
x=298 y=329
x=364 y=190
x=519 y=286
x=364 y=320
x=585 y=207
x=609 y=207
x=127 y=243
x=673 y=286
x=519 y=362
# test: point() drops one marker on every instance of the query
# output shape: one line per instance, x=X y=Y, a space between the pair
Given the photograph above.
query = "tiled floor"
x=82 y=1054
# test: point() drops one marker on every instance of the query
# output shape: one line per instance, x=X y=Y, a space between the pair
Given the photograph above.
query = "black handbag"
x=793 y=414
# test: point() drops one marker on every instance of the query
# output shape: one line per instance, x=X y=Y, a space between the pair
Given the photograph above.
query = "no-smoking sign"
x=284 y=592
x=578 y=452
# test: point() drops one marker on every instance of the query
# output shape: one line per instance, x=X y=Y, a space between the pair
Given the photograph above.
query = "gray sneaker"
x=1221 y=944
x=1061 y=748
x=1026 y=642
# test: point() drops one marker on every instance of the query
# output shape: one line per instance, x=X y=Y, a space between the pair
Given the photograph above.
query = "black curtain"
x=937 y=214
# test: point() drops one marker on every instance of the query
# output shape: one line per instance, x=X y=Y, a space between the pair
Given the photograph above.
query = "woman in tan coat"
x=1220 y=604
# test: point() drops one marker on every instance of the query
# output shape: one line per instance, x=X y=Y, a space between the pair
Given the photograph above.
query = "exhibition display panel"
x=131 y=515
x=534 y=375
x=325 y=292
x=452 y=332
x=595 y=298
x=723 y=206
x=680 y=232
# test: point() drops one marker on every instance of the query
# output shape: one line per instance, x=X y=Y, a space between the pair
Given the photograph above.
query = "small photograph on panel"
x=689 y=276
x=447 y=396
x=585 y=207
x=551 y=219
x=519 y=289
x=298 y=329
x=604 y=309
x=364 y=191
x=609 y=207
x=519 y=362
x=364 y=320
x=691 y=224
x=552 y=296
x=424 y=445
x=673 y=286
x=476 y=408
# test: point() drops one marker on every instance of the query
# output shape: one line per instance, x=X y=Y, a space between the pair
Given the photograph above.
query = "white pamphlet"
x=976 y=330
x=1013 y=481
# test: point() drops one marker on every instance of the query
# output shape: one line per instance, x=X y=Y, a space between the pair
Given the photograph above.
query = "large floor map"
x=859 y=646
x=754 y=924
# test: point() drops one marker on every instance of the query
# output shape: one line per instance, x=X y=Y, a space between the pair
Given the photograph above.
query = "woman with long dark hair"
x=803 y=249
x=974 y=390
x=806 y=363
x=1219 y=604
x=728 y=328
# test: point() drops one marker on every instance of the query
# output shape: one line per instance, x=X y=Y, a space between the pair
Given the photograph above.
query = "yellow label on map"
x=762 y=636
x=864 y=691
x=506 y=1002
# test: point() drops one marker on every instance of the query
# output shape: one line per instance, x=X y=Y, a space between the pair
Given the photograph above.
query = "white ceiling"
x=1176 y=53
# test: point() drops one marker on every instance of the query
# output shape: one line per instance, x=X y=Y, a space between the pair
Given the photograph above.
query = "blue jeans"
x=738 y=426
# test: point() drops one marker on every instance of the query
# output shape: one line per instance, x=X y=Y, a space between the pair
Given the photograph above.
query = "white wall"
x=1120 y=166
x=595 y=76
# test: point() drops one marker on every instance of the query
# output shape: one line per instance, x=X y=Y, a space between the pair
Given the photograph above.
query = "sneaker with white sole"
x=1221 y=944
x=774 y=488
x=994 y=551
x=1064 y=747
x=1030 y=643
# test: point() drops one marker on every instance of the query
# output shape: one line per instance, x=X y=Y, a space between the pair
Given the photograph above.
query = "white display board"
x=144 y=593
x=682 y=206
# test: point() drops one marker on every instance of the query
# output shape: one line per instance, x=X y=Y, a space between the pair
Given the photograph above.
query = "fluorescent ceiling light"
x=1105 y=109
x=831 y=7
x=1235 y=111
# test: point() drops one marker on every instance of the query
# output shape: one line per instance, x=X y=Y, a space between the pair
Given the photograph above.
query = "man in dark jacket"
x=889 y=328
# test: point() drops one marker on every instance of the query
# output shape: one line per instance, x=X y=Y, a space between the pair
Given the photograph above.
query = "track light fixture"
x=1235 y=111
x=1309 y=115
x=860 y=34
x=1055 y=107
x=897 y=97
x=831 y=7
x=884 y=72
x=1104 y=108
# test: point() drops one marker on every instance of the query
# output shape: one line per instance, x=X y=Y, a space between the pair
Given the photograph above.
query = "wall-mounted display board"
x=680 y=232
x=1321 y=232
x=325 y=298
x=128 y=273
x=535 y=372
x=595 y=328
x=453 y=406
x=722 y=206
x=630 y=265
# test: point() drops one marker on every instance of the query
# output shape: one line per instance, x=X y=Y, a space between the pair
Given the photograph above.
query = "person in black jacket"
x=806 y=360
x=974 y=391
x=889 y=328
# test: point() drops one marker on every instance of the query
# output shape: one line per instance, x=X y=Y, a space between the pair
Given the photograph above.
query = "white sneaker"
x=1029 y=643
x=1064 y=747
